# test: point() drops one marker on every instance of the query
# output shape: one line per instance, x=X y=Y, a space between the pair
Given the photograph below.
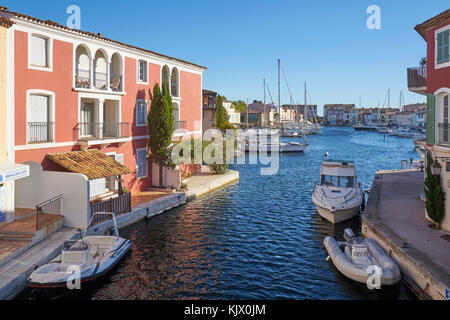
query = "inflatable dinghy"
x=362 y=260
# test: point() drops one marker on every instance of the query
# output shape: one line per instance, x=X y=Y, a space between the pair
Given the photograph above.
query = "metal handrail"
x=39 y=132
x=39 y=207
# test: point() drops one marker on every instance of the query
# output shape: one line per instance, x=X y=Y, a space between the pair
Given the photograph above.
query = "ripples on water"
x=258 y=239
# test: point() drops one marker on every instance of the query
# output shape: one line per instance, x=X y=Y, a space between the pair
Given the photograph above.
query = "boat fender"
x=327 y=259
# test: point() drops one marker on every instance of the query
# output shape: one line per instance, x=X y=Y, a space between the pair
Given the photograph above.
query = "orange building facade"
x=75 y=91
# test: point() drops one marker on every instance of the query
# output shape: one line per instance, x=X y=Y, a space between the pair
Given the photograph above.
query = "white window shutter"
x=39 y=52
x=38 y=111
x=119 y=158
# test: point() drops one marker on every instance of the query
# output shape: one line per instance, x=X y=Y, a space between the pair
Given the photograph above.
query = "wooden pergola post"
x=120 y=186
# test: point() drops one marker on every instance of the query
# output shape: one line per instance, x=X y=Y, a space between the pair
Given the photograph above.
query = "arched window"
x=116 y=79
x=165 y=76
x=100 y=71
x=176 y=116
x=174 y=82
x=82 y=67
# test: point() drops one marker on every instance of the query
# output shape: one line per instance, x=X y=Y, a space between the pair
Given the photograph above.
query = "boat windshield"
x=75 y=246
x=334 y=181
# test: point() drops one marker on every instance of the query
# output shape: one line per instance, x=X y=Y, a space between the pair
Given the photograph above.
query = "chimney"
x=100 y=35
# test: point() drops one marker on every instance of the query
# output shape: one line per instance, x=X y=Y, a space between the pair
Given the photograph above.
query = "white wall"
x=171 y=178
x=42 y=185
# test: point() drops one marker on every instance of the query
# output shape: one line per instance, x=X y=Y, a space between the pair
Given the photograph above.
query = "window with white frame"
x=141 y=113
x=141 y=163
x=39 y=51
x=142 y=71
x=40 y=127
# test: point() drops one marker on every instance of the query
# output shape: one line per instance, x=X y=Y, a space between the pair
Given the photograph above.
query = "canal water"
x=257 y=239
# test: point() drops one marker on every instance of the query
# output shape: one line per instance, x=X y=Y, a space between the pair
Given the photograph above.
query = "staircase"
x=17 y=237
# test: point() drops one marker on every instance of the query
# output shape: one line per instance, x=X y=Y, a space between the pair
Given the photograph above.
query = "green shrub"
x=219 y=168
x=226 y=126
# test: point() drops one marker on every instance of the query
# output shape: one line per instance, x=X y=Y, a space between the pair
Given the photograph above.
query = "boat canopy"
x=338 y=168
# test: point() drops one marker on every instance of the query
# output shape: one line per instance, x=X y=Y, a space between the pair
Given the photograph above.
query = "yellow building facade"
x=8 y=170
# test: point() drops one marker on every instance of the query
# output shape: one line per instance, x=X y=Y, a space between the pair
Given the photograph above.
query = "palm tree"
x=423 y=62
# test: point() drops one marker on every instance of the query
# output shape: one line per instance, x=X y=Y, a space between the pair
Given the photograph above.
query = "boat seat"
x=101 y=242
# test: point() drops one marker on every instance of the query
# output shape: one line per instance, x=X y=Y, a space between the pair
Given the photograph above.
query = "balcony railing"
x=102 y=131
x=100 y=80
x=83 y=79
x=443 y=132
x=417 y=77
x=180 y=125
x=40 y=132
x=119 y=205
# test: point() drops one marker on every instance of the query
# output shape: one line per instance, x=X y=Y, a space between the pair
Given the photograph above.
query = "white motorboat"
x=85 y=260
x=339 y=195
x=281 y=147
x=269 y=141
x=401 y=132
x=362 y=260
x=292 y=133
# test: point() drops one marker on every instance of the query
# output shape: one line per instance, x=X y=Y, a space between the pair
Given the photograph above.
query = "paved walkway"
x=138 y=199
x=395 y=210
x=206 y=182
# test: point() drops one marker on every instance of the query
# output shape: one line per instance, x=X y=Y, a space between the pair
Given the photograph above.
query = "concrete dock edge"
x=210 y=183
x=424 y=277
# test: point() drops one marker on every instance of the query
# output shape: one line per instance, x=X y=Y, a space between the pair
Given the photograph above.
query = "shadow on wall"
x=132 y=183
x=42 y=185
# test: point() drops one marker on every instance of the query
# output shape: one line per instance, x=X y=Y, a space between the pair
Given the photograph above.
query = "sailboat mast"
x=389 y=98
x=306 y=105
x=279 y=95
x=265 y=111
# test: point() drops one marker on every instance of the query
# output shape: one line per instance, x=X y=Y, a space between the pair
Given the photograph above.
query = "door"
x=87 y=119
x=111 y=183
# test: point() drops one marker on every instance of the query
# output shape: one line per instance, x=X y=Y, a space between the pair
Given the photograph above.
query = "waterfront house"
x=406 y=118
x=433 y=80
x=9 y=171
x=339 y=114
x=420 y=119
x=415 y=107
x=302 y=113
x=209 y=107
x=78 y=104
x=256 y=119
x=269 y=112
x=234 y=118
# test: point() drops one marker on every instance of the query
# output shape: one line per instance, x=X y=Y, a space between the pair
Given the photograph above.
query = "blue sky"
x=325 y=43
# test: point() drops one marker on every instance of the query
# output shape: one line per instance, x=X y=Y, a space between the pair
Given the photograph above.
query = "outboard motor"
x=348 y=235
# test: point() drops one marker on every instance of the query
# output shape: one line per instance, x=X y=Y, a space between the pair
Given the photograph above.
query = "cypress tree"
x=160 y=127
x=221 y=113
x=435 y=197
